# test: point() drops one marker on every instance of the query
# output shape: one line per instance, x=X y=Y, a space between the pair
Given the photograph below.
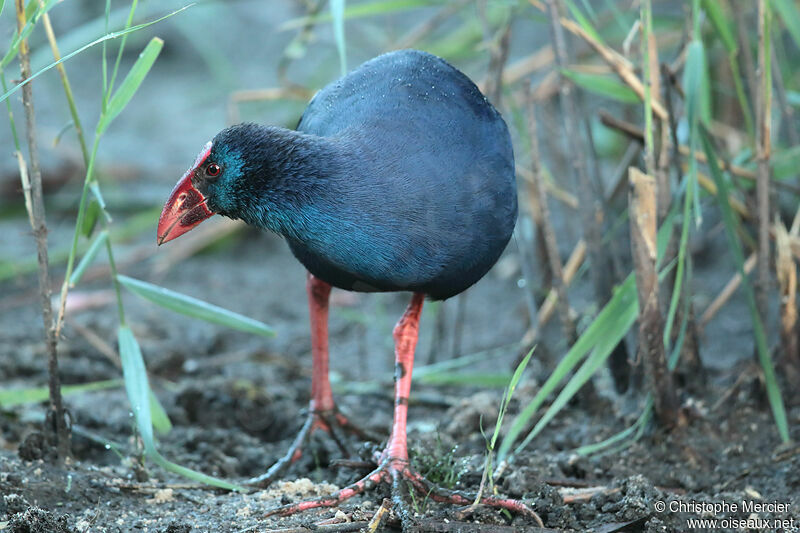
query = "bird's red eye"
x=213 y=169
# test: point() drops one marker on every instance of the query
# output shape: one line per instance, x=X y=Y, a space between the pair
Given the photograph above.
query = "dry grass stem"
x=539 y=199
x=590 y=200
x=56 y=425
x=550 y=188
x=786 y=271
x=548 y=307
x=618 y=63
x=726 y=293
x=763 y=147
x=62 y=73
x=422 y=30
x=643 y=222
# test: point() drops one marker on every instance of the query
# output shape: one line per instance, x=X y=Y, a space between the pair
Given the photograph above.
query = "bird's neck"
x=293 y=175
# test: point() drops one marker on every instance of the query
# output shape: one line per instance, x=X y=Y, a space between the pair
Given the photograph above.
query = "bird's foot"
x=394 y=471
x=332 y=422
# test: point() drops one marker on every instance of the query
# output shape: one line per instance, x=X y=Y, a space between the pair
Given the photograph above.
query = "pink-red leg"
x=393 y=467
x=322 y=412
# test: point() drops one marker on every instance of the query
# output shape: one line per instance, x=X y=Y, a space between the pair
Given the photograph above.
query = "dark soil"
x=236 y=401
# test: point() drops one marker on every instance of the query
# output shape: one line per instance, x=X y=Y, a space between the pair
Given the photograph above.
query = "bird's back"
x=426 y=200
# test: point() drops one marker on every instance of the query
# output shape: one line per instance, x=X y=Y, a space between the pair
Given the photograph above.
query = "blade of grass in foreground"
x=186 y=305
x=605 y=326
x=731 y=228
x=112 y=35
x=131 y=83
x=138 y=390
x=98 y=242
x=601 y=85
x=12 y=397
x=605 y=331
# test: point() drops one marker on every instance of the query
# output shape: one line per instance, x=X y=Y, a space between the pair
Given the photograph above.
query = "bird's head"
x=215 y=184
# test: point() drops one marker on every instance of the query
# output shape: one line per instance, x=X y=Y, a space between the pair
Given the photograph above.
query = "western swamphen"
x=400 y=177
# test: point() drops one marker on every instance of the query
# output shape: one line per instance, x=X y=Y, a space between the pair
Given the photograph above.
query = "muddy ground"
x=236 y=401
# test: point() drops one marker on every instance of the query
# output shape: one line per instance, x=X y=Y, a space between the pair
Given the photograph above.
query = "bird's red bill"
x=186 y=206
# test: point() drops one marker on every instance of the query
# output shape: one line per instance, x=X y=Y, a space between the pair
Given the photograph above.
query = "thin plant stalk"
x=591 y=205
x=649 y=146
x=57 y=415
x=73 y=110
x=763 y=147
x=108 y=88
x=550 y=244
x=76 y=235
x=643 y=217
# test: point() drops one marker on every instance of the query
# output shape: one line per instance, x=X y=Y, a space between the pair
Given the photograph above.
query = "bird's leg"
x=393 y=466
x=322 y=411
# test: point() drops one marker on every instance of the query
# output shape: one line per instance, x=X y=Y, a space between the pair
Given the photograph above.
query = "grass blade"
x=624 y=297
x=112 y=35
x=138 y=389
x=607 y=326
x=584 y=22
x=697 y=111
x=32 y=13
x=785 y=163
x=790 y=16
x=136 y=384
x=721 y=24
x=367 y=9
x=608 y=329
x=512 y=386
x=495 y=380
x=12 y=397
x=89 y=221
x=731 y=228
x=98 y=242
x=158 y=415
x=186 y=305
x=131 y=83
x=606 y=86
x=636 y=428
x=337 y=14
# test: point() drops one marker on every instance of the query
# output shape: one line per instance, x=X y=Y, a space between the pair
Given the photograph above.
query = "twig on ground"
x=343 y=527
x=429 y=526
x=584 y=494
x=57 y=415
x=379 y=517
